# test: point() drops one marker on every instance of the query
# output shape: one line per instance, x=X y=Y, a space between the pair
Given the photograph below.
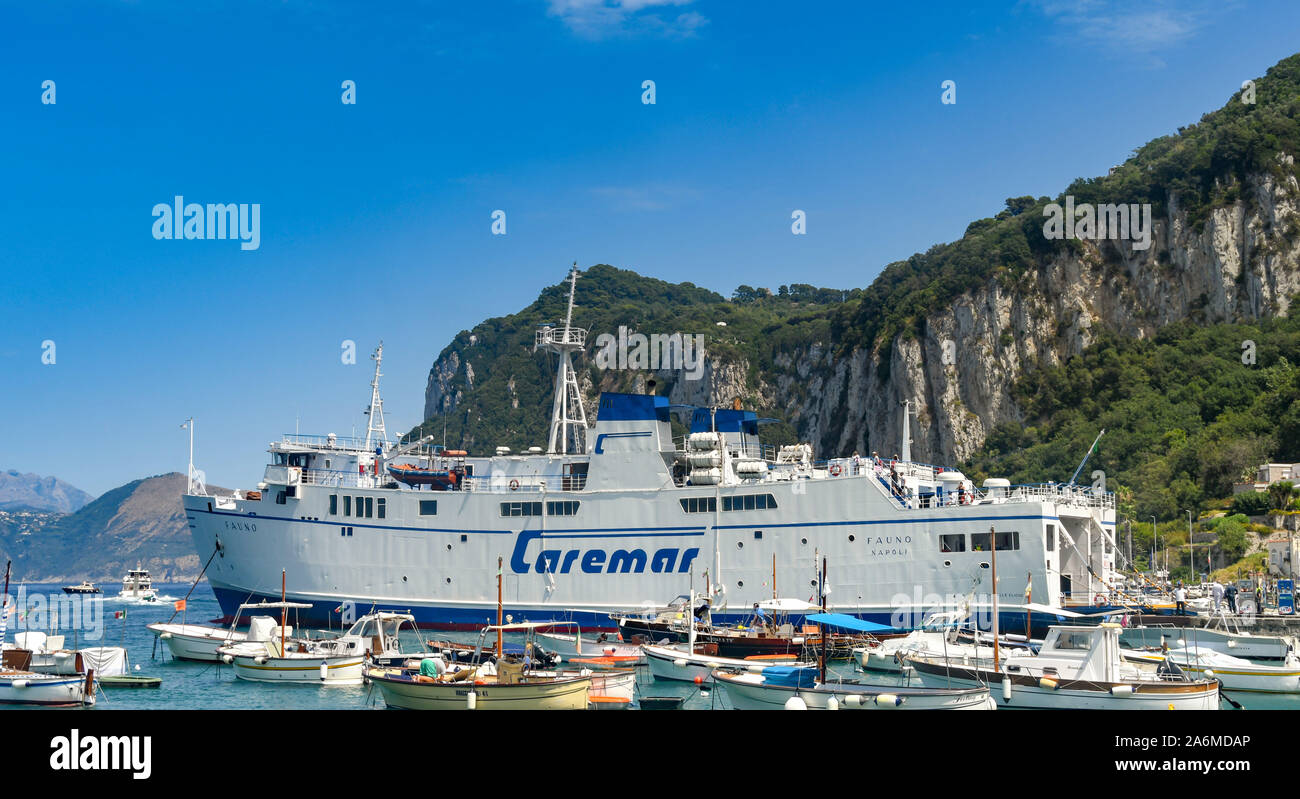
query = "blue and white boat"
x=617 y=512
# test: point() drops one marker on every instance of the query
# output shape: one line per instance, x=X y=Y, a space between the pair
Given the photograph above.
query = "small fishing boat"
x=940 y=634
x=775 y=687
x=681 y=663
x=137 y=585
x=1233 y=673
x=266 y=657
x=32 y=688
x=85 y=587
x=484 y=685
x=570 y=646
x=200 y=642
x=1076 y=668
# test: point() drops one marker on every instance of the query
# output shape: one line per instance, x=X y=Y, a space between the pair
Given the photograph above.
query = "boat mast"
x=993 y=537
x=567 y=412
x=4 y=609
x=500 y=650
x=375 y=413
x=284 y=612
x=821 y=628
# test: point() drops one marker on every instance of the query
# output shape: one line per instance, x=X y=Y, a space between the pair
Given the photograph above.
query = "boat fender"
x=832 y=703
x=795 y=703
x=260 y=660
x=1006 y=689
x=1047 y=683
x=471 y=701
x=1232 y=643
x=756 y=669
x=1209 y=674
x=853 y=700
x=324 y=670
x=1121 y=690
x=166 y=636
x=699 y=680
x=889 y=700
x=797 y=641
x=711 y=665
x=21 y=683
x=227 y=659
x=679 y=662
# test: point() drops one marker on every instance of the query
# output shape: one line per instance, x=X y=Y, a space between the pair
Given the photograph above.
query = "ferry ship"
x=617 y=515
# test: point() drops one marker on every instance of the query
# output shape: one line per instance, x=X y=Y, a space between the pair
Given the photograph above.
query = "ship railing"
x=524 y=484
x=336 y=478
x=324 y=442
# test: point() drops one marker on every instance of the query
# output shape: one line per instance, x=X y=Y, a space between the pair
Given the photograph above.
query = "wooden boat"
x=86 y=587
x=678 y=662
x=773 y=689
x=484 y=685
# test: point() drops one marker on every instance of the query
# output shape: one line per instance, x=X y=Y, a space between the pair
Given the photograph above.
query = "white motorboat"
x=1224 y=636
x=679 y=662
x=939 y=635
x=198 y=642
x=1076 y=668
x=574 y=645
x=775 y=687
x=138 y=586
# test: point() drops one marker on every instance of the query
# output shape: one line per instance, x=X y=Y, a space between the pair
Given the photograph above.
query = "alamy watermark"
x=637 y=351
x=1110 y=221
x=181 y=220
x=37 y=612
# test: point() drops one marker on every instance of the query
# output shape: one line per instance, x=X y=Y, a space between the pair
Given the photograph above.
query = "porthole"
x=740 y=583
x=448 y=581
x=812 y=583
x=403 y=578
x=984 y=564
x=803 y=541
x=851 y=539
x=947 y=563
x=449 y=547
x=740 y=545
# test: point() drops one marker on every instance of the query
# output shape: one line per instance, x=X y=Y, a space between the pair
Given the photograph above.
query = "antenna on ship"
x=567 y=413
x=375 y=427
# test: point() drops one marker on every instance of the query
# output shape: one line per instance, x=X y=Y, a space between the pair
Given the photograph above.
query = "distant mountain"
x=20 y=491
x=140 y=522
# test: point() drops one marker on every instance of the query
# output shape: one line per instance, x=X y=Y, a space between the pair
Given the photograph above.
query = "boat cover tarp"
x=844 y=622
x=107 y=661
x=790 y=676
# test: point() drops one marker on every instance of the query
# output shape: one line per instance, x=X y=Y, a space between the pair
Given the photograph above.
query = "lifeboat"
x=412 y=475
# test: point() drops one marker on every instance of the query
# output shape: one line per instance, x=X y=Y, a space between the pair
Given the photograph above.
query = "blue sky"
x=376 y=217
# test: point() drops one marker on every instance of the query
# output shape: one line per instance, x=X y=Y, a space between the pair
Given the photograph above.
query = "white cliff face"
x=1244 y=264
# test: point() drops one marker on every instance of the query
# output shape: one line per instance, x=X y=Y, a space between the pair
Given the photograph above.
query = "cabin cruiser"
x=85 y=587
x=138 y=585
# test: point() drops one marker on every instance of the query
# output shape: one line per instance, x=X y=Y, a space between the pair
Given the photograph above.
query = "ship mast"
x=567 y=413
x=905 y=454
x=375 y=426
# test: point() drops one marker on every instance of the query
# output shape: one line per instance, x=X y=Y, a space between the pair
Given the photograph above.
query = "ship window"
x=334 y=504
x=700 y=504
x=1051 y=537
x=1009 y=540
x=749 y=502
x=383 y=509
x=521 y=509
x=428 y=507
x=279 y=498
x=370 y=507
x=952 y=543
x=361 y=507
x=758 y=535
x=980 y=542
x=562 y=508
x=347 y=506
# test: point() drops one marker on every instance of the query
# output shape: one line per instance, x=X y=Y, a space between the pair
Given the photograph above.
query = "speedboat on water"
x=137 y=585
x=1076 y=668
x=85 y=587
